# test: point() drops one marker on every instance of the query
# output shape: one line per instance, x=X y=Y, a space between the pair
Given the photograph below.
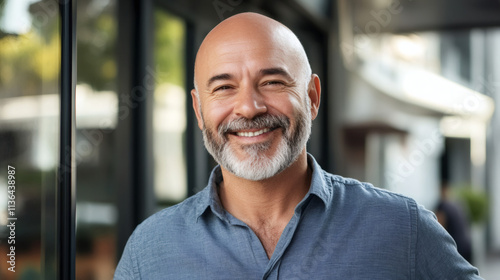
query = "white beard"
x=257 y=166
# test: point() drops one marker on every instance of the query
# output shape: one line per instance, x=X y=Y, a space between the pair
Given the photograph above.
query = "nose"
x=249 y=103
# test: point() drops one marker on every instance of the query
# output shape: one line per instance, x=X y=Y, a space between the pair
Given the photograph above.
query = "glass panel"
x=29 y=136
x=317 y=7
x=169 y=124
x=96 y=120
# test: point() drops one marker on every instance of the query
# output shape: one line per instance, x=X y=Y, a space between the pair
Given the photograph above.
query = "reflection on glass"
x=96 y=120
x=29 y=135
x=169 y=119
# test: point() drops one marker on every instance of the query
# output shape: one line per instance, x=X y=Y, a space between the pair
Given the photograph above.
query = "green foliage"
x=169 y=48
x=96 y=48
x=31 y=59
x=27 y=62
x=476 y=202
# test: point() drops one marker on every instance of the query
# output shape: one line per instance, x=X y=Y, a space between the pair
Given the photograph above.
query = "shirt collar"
x=319 y=187
x=210 y=197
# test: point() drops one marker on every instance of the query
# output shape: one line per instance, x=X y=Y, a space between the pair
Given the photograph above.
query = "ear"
x=197 y=108
x=314 y=92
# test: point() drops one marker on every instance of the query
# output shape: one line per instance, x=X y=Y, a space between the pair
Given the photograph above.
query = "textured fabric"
x=342 y=229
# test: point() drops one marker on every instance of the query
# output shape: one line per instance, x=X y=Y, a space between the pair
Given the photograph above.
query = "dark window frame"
x=66 y=202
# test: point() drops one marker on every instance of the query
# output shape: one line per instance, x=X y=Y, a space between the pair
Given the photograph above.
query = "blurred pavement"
x=490 y=268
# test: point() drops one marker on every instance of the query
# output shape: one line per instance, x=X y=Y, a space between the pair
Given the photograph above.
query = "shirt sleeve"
x=436 y=255
x=127 y=266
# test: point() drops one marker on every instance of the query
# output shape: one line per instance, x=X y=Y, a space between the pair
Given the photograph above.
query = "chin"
x=258 y=165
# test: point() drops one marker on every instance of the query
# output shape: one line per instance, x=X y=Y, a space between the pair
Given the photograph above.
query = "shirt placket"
x=283 y=243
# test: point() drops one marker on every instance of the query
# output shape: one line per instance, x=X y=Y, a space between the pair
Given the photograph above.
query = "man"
x=269 y=211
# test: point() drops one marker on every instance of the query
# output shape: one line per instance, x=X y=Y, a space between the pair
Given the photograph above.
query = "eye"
x=273 y=83
x=221 y=88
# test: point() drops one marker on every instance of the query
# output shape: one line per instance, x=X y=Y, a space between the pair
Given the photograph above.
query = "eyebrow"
x=275 y=71
x=219 y=77
x=262 y=72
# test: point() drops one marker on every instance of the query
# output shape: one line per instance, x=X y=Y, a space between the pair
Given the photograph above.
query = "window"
x=29 y=136
x=169 y=116
x=96 y=121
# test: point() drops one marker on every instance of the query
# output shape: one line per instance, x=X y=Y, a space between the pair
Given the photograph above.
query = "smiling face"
x=254 y=97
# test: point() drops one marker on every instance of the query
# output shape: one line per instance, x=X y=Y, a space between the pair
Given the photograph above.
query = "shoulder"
x=172 y=219
x=160 y=241
x=342 y=193
x=343 y=188
x=357 y=202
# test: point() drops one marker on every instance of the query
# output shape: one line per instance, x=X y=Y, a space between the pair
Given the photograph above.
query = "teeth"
x=253 y=134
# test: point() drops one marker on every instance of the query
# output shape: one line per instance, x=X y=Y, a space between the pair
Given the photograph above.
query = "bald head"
x=254 y=96
x=239 y=37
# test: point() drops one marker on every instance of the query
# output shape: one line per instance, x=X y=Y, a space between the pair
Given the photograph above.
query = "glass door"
x=30 y=56
x=169 y=109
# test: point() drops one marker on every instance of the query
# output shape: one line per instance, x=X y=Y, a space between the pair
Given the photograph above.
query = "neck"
x=267 y=201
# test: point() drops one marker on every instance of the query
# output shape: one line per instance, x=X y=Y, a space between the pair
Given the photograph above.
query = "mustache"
x=259 y=122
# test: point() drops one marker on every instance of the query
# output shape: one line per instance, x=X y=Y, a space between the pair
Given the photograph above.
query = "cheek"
x=214 y=113
x=294 y=106
x=290 y=104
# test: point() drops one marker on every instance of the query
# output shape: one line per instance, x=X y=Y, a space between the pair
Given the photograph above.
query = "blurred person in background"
x=453 y=218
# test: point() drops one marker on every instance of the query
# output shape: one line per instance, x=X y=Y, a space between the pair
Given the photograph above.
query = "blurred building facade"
x=408 y=104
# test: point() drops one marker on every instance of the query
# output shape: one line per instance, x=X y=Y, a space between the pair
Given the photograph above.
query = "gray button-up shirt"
x=342 y=229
